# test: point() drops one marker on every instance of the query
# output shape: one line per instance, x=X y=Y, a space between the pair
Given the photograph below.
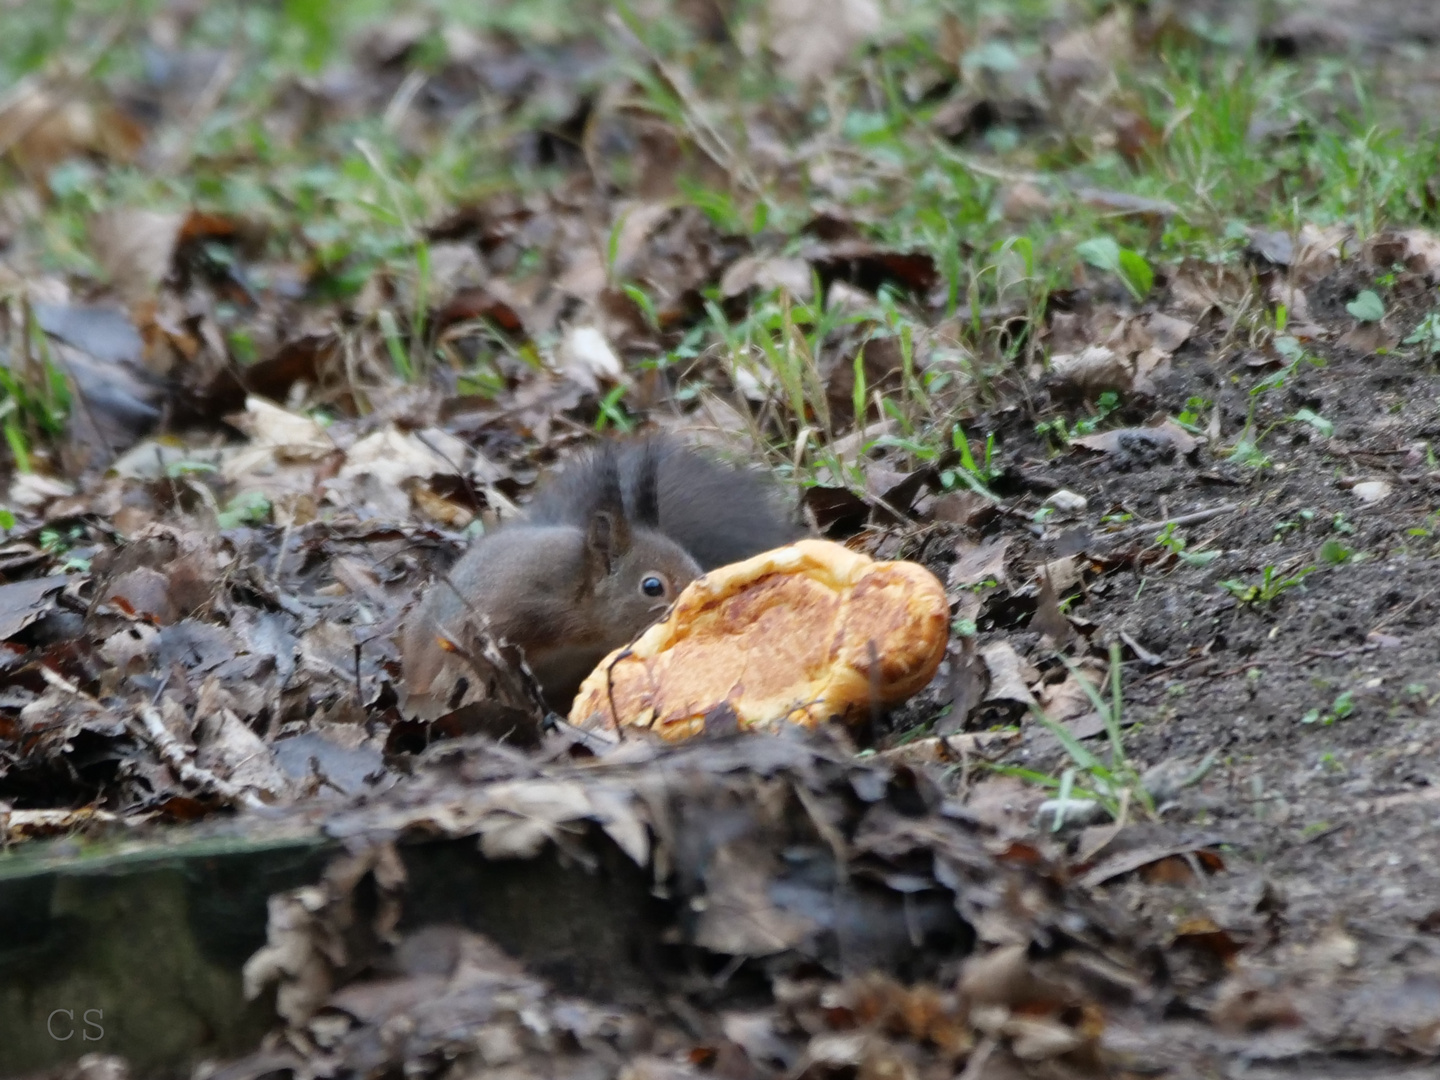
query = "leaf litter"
x=260 y=436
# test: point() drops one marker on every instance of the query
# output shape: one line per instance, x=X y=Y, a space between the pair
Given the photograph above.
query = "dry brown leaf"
x=1199 y=288
x=1369 y=338
x=979 y=563
x=1121 y=202
x=135 y=247
x=813 y=38
x=228 y=748
x=1274 y=247
x=1318 y=251
x=1048 y=618
x=1422 y=253
x=1332 y=952
x=1168 y=332
x=290 y=435
x=1245 y=1003
x=766 y=273
x=967 y=675
x=638 y=222
x=1022 y=201
x=34 y=491
x=447 y=512
x=1092 y=371
x=1001 y=976
x=16 y=825
x=521 y=817
x=153 y=459
x=586 y=358
x=23 y=602
x=1297 y=304
x=143 y=592
x=1063 y=573
x=584 y=276
x=102 y=352
x=963 y=507
x=296 y=955
x=1091 y=53
x=741 y=918
x=1137 y=348
x=1141 y=440
x=1165 y=861
x=948 y=749
x=1010 y=676
x=454 y=268
x=283 y=459
x=1067 y=699
x=380 y=470
x=1040 y=1040
x=42 y=127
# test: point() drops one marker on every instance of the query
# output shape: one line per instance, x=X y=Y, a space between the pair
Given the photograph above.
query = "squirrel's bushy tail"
x=717 y=513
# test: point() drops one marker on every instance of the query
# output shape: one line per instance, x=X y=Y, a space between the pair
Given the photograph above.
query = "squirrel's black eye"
x=653 y=585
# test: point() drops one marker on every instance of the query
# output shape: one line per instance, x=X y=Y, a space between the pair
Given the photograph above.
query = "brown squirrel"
x=604 y=550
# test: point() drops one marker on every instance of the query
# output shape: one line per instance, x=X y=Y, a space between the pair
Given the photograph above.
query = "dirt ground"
x=1328 y=822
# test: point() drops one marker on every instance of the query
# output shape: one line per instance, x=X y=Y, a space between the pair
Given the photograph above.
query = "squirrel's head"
x=634 y=574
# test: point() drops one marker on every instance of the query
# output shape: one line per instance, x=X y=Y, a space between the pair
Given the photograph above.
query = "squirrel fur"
x=603 y=551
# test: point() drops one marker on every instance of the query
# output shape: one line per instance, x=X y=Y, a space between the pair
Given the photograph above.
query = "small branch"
x=153 y=730
x=1184 y=519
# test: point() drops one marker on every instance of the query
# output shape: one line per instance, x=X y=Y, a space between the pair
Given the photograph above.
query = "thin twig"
x=152 y=728
x=1184 y=519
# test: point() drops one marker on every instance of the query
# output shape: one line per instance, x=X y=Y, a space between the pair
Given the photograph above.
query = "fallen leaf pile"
x=893 y=930
x=1117 y=323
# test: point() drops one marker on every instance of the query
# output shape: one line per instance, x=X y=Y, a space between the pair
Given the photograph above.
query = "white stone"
x=1067 y=502
x=1371 y=491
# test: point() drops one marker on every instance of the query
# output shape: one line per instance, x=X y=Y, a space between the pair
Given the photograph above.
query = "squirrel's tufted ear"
x=607 y=539
x=645 y=485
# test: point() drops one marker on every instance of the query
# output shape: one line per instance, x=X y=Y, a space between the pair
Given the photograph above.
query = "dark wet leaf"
x=23 y=602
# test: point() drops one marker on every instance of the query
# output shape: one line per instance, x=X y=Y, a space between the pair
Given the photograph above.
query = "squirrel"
x=604 y=550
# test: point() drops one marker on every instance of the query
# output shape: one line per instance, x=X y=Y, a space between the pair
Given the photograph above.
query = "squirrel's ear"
x=606 y=539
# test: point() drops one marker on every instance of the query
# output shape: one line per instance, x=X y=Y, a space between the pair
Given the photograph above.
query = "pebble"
x=1073 y=813
x=1371 y=491
x=1067 y=502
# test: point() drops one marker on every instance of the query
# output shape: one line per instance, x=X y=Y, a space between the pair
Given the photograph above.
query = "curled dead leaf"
x=1422 y=253
x=766 y=273
x=135 y=247
x=587 y=358
x=1010 y=676
x=23 y=602
x=1144 y=441
x=1092 y=371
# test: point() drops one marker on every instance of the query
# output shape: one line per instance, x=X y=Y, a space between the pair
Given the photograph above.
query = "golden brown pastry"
x=802 y=634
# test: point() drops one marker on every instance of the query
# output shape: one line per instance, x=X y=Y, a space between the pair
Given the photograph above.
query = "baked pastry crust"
x=800 y=634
